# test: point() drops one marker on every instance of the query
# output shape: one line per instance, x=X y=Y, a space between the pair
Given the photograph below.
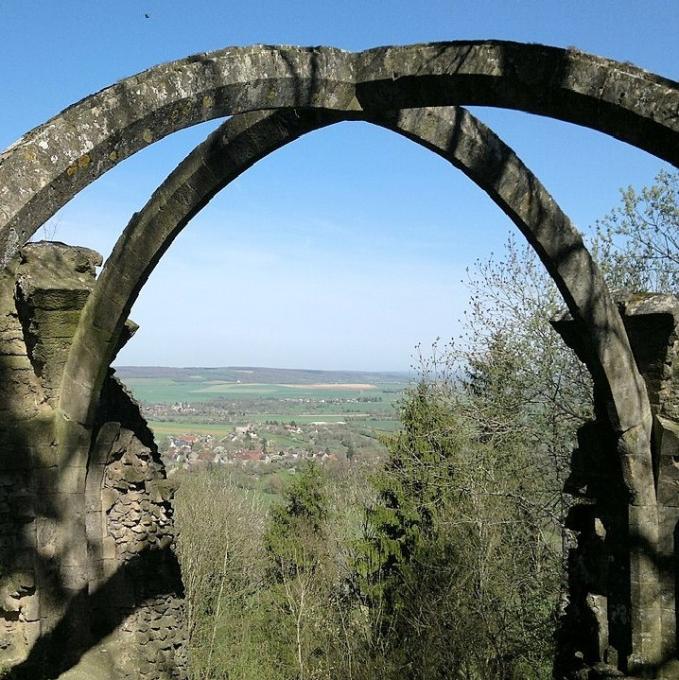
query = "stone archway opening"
x=69 y=448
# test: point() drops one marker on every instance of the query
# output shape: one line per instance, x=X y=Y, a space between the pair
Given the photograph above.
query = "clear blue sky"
x=348 y=247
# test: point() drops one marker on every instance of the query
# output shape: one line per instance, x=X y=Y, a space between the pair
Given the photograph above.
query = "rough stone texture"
x=25 y=437
x=50 y=164
x=86 y=547
x=52 y=289
x=130 y=528
x=620 y=612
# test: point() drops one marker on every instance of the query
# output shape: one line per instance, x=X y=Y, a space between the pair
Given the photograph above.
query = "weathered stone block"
x=66 y=479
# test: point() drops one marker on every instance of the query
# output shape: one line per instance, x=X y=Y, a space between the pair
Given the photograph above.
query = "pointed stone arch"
x=452 y=133
x=53 y=162
x=455 y=135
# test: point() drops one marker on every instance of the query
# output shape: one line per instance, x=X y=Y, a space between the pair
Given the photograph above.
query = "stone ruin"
x=597 y=627
x=89 y=583
x=124 y=582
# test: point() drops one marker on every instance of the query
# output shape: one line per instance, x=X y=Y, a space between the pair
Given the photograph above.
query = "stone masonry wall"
x=24 y=426
x=598 y=621
x=130 y=505
x=89 y=582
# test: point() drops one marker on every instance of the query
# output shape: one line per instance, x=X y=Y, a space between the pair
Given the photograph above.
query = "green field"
x=164 y=428
x=332 y=409
x=164 y=390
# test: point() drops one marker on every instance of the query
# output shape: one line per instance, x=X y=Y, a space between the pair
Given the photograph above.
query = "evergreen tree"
x=296 y=531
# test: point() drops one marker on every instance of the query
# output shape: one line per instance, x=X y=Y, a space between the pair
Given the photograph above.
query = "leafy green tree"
x=637 y=243
x=452 y=563
x=223 y=569
x=297 y=546
x=296 y=529
x=407 y=495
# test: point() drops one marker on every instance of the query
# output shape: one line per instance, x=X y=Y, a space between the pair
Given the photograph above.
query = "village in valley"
x=265 y=420
x=245 y=446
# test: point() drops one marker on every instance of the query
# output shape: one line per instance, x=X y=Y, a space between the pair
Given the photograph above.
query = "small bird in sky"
x=147 y=16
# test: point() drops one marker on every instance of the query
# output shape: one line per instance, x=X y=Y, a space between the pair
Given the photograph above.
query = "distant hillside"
x=250 y=374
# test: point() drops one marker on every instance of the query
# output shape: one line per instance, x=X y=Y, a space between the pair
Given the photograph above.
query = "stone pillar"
x=53 y=283
x=89 y=582
x=619 y=612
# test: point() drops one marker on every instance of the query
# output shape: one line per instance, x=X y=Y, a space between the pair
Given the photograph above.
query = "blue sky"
x=348 y=247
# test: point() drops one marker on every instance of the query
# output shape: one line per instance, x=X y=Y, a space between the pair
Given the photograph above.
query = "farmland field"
x=245 y=410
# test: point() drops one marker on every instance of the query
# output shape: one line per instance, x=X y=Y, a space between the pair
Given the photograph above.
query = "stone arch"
x=455 y=135
x=51 y=163
x=43 y=170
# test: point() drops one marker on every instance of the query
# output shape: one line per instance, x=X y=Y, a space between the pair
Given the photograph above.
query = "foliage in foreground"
x=449 y=571
x=446 y=562
x=460 y=560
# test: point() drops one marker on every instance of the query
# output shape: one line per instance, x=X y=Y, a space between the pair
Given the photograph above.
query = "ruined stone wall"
x=89 y=582
x=23 y=413
x=130 y=517
x=598 y=624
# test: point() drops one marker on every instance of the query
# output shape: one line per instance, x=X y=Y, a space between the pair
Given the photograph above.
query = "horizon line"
x=274 y=368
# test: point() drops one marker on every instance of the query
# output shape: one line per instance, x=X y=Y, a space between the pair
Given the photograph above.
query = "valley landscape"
x=265 y=421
